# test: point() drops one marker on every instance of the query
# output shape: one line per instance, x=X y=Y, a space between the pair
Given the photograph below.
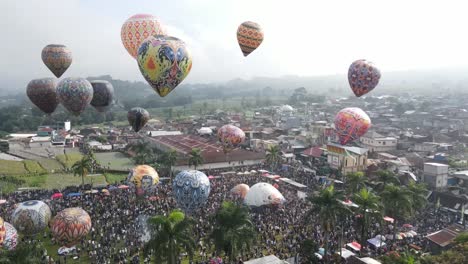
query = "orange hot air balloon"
x=351 y=123
x=249 y=37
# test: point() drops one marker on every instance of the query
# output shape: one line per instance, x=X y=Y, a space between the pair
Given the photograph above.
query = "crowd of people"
x=117 y=234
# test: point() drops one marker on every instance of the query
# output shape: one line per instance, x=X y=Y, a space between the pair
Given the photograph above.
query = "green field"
x=115 y=160
x=10 y=167
x=69 y=159
x=112 y=178
x=50 y=164
x=33 y=166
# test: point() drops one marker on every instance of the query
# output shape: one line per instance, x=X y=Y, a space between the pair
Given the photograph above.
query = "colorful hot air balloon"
x=75 y=94
x=350 y=124
x=363 y=77
x=263 y=194
x=2 y=231
x=136 y=29
x=144 y=178
x=70 y=226
x=249 y=37
x=164 y=61
x=103 y=95
x=57 y=58
x=11 y=237
x=42 y=92
x=31 y=217
x=191 y=189
x=240 y=190
x=137 y=118
x=230 y=137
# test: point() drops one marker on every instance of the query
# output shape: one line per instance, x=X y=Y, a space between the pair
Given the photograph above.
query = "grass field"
x=69 y=159
x=50 y=164
x=10 y=167
x=33 y=166
x=115 y=160
x=59 y=181
x=112 y=178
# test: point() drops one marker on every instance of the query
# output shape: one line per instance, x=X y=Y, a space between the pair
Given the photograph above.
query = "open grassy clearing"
x=115 y=160
x=33 y=166
x=69 y=159
x=10 y=167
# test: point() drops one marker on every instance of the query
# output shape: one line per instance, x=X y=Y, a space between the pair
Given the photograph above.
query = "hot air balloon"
x=240 y=190
x=191 y=189
x=75 y=94
x=42 y=92
x=350 y=124
x=249 y=37
x=136 y=29
x=263 y=194
x=164 y=61
x=31 y=217
x=11 y=237
x=2 y=231
x=70 y=225
x=103 y=95
x=137 y=118
x=144 y=178
x=230 y=137
x=363 y=77
x=57 y=58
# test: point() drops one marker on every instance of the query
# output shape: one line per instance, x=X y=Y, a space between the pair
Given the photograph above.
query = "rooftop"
x=445 y=236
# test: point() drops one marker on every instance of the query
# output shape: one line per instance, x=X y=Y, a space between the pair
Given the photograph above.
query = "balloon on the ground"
x=144 y=178
x=2 y=231
x=363 y=77
x=57 y=58
x=191 y=189
x=70 y=225
x=249 y=37
x=240 y=190
x=136 y=29
x=11 y=237
x=350 y=124
x=31 y=217
x=75 y=94
x=263 y=194
x=164 y=61
x=230 y=137
x=103 y=95
x=137 y=118
x=43 y=94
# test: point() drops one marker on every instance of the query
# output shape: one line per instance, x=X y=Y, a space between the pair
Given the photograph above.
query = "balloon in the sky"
x=136 y=29
x=144 y=178
x=249 y=37
x=70 y=225
x=2 y=231
x=75 y=94
x=363 y=77
x=350 y=124
x=230 y=137
x=42 y=92
x=164 y=61
x=191 y=189
x=137 y=118
x=31 y=217
x=57 y=58
x=11 y=237
x=240 y=190
x=263 y=194
x=103 y=95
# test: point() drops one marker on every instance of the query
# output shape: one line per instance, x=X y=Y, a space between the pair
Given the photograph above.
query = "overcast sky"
x=302 y=37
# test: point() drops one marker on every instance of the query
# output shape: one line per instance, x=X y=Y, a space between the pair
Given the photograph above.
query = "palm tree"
x=273 y=156
x=143 y=153
x=195 y=158
x=385 y=177
x=169 y=159
x=326 y=205
x=169 y=236
x=369 y=204
x=356 y=181
x=397 y=203
x=82 y=168
x=24 y=253
x=233 y=230
x=418 y=192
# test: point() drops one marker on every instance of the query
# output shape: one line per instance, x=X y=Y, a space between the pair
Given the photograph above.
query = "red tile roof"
x=313 y=152
x=445 y=236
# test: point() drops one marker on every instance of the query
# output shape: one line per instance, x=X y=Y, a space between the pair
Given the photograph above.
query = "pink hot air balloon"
x=363 y=77
x=351 y=123
x=230 y=137
x=240 y=190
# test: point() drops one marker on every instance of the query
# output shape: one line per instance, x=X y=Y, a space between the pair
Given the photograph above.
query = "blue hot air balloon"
x=191 y=189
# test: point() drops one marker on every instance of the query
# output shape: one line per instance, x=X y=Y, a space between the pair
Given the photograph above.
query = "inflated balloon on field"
x=11 y=237
x=240 y=190
x=31 y=217
x=144 y=178
x=263 y=194
x=70 y=225
x=191 y=189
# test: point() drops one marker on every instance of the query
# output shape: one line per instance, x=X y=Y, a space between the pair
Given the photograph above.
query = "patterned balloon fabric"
x=240 y=190
x=191 y=189
x=230 y=137
x=43 y=94
x=57 y=58
x=363 y=77
x=11 y=237
x=137 y=118
x=70 y=226
x=136 y=29
x=2 y=231
x=103 y=95
x=75 y=94
x=350 y=124
x=249 y=37
x=143 y=177
x=164 y=61
x=31 y=217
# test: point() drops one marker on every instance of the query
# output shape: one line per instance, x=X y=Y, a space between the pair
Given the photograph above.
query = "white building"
x=375 y=142
x=436 y=174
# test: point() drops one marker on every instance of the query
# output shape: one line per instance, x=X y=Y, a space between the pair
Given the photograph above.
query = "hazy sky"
x=302 y=37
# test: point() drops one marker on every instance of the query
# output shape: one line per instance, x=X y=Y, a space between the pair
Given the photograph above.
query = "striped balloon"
x=249 y=37
x=70 y=226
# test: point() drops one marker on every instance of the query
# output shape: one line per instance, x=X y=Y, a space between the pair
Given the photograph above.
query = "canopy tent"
x=388 y=219
x=271 y=259
x=293 y=183
x=111 y=188
x=76 y=194
x=253 y=171
x=375 y=242
x=56 y=196
x=263 y=171
x=354 y=246
x=346 y=253
x=123 y=187
x=349 y=203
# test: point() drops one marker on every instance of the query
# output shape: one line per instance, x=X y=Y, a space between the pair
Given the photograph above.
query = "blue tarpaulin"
x=73 y=194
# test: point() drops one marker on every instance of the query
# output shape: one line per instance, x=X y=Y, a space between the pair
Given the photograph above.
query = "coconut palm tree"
x=24 y=253
x=169 y=159
x=195 y=158
x=233 y=230
x=369 y=205
x=273 y=156
x=355 y=181
x=386 y=177
x=169 y=236
x=418 y=193
x=397 y=203
x=82 y=168
x=143 y=153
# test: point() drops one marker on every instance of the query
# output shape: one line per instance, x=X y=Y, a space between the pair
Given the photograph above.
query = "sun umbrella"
x=124 y=187
x=253 y=171
x=56 y=196
x=211 y=177
x=74 y=194
x=408 y=226
x=3 y=201
x=111 y=188
x=388 y=219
